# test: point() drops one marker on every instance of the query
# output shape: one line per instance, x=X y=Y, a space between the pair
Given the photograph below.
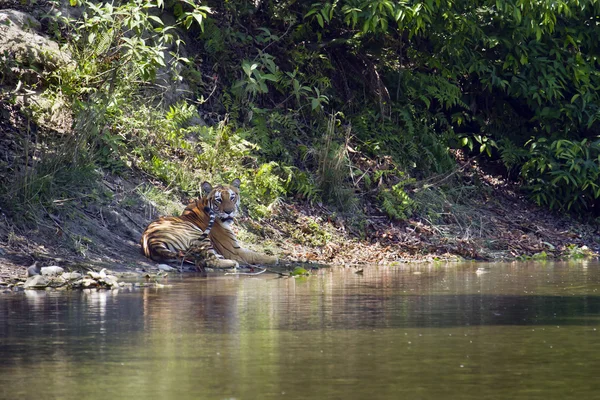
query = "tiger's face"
x=224 y=200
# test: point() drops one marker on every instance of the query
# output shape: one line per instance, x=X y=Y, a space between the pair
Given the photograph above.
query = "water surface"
x=515 y=331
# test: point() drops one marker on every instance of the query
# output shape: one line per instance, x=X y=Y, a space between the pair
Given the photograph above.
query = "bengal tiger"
x=202 y=233
x=224 y=201
x=182 y=239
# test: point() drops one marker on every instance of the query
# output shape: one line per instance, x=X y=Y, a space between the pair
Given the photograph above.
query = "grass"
x=160 y=199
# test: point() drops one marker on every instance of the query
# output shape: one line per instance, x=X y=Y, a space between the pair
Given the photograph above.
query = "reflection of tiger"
x=202 y=233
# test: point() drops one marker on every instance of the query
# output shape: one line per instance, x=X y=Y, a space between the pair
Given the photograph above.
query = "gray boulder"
x=36 y=282
x=53 y=270
x=30 y=55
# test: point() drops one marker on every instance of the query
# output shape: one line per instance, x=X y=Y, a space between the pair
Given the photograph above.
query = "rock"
x=69 y=276
x=53 y=270
x=20 y=19
x=165 y=267
x=33 y=269
x=33 y=54
x=110 y=280
x=56 y=281
x=87 y=282
x=98 y=275
x=36 y=282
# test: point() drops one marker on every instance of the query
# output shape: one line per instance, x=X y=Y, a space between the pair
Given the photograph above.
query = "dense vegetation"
x=330 y=101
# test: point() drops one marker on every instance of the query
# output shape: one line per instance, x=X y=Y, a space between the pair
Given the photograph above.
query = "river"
x=455 y=331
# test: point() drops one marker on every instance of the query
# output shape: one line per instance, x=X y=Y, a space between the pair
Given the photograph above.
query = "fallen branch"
x=247 y=273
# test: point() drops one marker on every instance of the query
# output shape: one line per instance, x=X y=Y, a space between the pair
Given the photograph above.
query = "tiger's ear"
x=236 y=183
x=206 y=187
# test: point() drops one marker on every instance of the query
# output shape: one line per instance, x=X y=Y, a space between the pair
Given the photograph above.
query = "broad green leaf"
x=320 y=20
x=155 y=19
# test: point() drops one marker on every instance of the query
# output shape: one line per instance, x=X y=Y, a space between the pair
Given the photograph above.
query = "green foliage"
x=394 y=200
x=159 y=198
x=411 y=80
x=334 y=173
x=564 y=174
x=486 y=77
x=411 y=139
x=117 y=50
x=575 y=252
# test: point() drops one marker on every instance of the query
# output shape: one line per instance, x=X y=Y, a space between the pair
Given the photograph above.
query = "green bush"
x=564 y=174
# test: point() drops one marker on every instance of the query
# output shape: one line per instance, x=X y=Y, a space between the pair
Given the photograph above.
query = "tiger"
x=224 y=201
x=202 y=233
x=181 y=239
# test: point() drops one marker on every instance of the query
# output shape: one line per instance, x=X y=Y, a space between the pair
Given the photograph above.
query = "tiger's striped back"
x=172 y=238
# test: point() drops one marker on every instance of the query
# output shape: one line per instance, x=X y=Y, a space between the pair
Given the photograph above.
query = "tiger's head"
x=224 y=200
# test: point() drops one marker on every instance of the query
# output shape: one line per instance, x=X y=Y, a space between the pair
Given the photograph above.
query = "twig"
x=247 y=273
x=275 y=41
x=61 y=201
x=425 y=185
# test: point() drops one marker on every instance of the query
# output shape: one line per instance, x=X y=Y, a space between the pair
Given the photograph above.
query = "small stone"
x=36 y=282
x=71 y=276
x=165 y=267
x=52 y=270
x=111 y=280
x=89 y=282
x=98 y=275
x=77 y=283
x=33 y=269
x=57 y=281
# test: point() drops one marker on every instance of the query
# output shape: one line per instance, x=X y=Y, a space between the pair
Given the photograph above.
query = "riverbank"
x=82 y=178
x=103 y=230
x=101 y=226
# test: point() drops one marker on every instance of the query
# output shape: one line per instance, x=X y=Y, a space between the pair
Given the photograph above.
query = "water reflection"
x=425 y=332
